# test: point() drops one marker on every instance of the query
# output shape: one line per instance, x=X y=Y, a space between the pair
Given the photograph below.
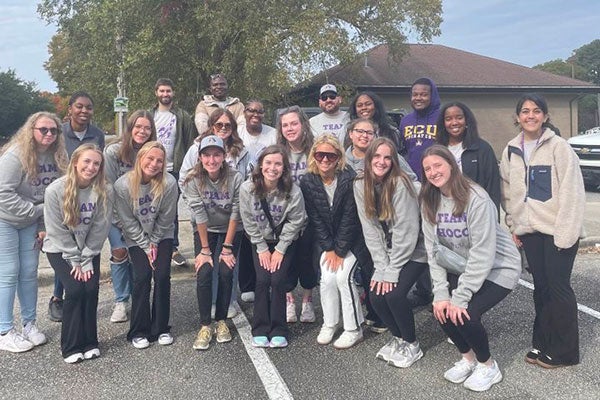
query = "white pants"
x=339 y=285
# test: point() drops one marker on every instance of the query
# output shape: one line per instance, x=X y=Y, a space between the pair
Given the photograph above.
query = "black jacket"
x=337 y=227
x=480 y=164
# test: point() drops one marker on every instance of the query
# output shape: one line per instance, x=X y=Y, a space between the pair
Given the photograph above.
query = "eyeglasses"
x=215 y=76
x=321 y=155
x=331 y=96
x=143 y=128
x=255 y=111
x=364 y=132
x=221 y=126
x=47 y=131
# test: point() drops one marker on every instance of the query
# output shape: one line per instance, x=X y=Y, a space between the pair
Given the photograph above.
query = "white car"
x=587 y=147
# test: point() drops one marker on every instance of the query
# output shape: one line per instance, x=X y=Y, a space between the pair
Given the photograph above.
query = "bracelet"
x=206 y=254
x=228 y=246
x=226 y=254
x=206 y=247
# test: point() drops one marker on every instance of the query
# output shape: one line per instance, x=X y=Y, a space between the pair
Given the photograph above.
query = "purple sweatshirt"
x=418 y=130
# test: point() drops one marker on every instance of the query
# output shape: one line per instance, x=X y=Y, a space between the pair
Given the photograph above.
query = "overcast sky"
x=523 y=32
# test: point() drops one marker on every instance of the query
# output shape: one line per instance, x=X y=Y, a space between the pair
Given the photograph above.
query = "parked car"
x=587 y=147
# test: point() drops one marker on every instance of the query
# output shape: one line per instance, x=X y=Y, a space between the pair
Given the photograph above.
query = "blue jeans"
x=19 y=259
x=120 y=273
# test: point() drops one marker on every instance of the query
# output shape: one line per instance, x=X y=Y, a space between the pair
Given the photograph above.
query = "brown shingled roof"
x=448 y=67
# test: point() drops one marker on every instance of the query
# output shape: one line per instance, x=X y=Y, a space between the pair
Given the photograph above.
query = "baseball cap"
x=211 y=141
x=328 y=88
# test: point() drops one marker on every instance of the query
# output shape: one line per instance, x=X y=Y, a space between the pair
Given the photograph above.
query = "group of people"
x=326 y=202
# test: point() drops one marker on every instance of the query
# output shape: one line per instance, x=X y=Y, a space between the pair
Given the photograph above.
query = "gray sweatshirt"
x=476 y=235
x=81 y=244
x=407 y=241
x=298 y=166
x=283 y=210
x=115 y=168
x=213 y=205
x=21 y=198
x=151 y=221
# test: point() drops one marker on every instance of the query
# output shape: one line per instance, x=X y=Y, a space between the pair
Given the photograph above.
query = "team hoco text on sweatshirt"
x=78 y=245
x=22 y=197
x=285 y=209
x=477 y=236
x=151 y=220
x=213 y=204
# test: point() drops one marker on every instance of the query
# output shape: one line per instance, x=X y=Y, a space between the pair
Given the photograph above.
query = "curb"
x=589 y=241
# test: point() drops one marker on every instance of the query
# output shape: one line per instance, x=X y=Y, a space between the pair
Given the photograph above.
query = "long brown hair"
x=383 y=210
x=127 y=151
x=459 y=185
x=157 y=183
x=25 y=142
x=284 y=185
x=70 y=204
x=233 y=144
x=307 y=135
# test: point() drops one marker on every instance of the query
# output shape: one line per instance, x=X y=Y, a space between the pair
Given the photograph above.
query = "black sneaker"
x=55 y=309
x=532 y=356
x=178 y=259
x=545 y=361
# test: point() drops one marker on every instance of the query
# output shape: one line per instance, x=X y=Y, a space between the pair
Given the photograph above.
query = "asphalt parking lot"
x=304 y=370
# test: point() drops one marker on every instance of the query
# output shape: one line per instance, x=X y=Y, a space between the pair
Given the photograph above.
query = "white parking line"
x=584 y=309
x=272 y=381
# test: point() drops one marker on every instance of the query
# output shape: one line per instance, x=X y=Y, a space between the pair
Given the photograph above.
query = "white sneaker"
x=326 y=334
x=483 y=377
x=406 y=355
x=290 y=312
x=140 y=342
x=119 y=313
x=91 y=354
x=247 y=297
x=348 y=339
x=308 y=312
x=74 y=358
x=231 y=311
x=391 y=346
x=33 y=335
x=461 y=371
x=15 y=343
x=165 y=339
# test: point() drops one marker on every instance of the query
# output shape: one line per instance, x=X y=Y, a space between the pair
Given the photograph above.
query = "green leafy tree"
x=264 y=48
x=584 y=64
x=19 y=100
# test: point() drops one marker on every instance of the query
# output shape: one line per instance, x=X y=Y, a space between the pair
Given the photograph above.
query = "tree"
x=19 y=99
x=264 y=48
x=584 y=64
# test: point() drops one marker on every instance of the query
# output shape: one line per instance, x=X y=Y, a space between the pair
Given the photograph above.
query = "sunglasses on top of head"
x=321 y=155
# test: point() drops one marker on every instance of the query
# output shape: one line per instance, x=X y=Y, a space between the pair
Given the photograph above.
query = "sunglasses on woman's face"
x=321 y=155
x=220 y=126
x=47 y=131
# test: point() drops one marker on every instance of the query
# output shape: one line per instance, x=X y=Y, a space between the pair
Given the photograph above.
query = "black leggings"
x=472 y=335
x=394 y=309
x=79 y=330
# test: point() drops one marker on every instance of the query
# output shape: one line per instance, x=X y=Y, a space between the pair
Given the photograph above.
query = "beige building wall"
x=495 y=113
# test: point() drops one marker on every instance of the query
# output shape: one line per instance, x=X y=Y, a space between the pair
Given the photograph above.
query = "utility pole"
x=121 y=101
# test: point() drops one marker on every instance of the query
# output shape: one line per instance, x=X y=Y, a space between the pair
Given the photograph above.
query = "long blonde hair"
x=331 y=140
x=71 y=209
x=383 y=210
x=25 y=142
x=157 y=183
